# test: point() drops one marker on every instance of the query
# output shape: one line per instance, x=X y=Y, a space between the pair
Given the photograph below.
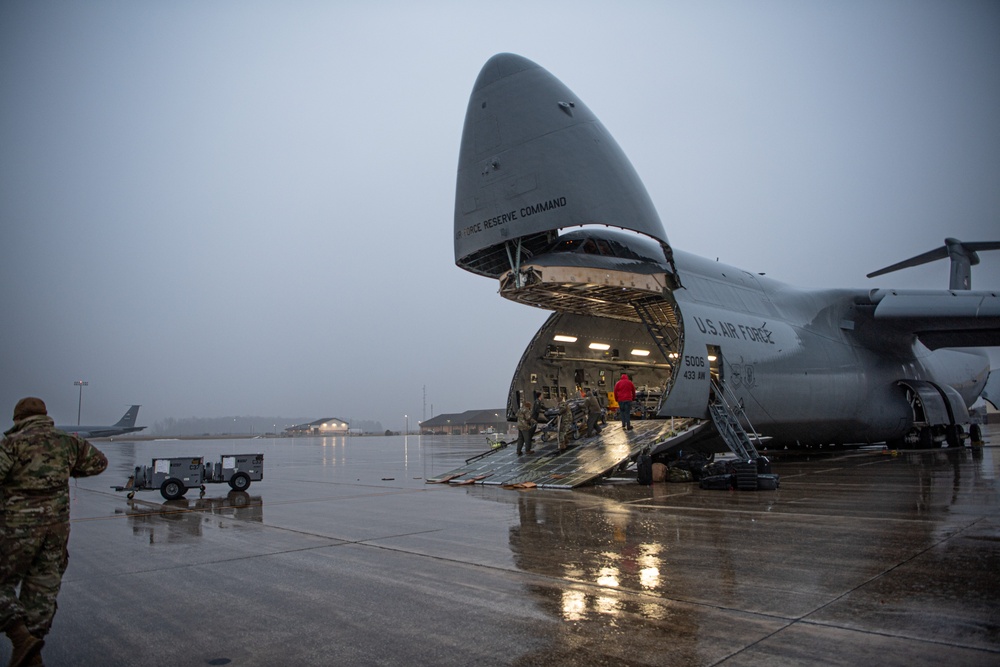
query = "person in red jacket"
x=625 y=394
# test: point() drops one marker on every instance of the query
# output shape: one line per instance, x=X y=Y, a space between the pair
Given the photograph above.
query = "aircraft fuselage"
x=547 y=203
x=798 y=361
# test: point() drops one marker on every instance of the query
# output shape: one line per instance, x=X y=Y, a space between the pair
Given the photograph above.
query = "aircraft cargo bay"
x=346 y=555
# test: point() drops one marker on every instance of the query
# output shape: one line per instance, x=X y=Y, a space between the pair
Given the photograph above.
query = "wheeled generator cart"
x=174 y=476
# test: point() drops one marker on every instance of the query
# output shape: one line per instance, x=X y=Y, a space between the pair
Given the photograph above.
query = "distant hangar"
x=469 y=422
x=325 y=426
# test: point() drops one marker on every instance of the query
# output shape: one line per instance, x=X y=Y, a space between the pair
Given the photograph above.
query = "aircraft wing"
x=941 y=318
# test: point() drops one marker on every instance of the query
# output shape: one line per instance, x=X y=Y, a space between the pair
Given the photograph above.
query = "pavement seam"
x=565 y=580
x=898 y=565
x=644 y=503
x=804 y=619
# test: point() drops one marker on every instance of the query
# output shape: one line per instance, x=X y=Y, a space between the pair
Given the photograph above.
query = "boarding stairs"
x=752 y=471
x=728 y=414
x=661 y=324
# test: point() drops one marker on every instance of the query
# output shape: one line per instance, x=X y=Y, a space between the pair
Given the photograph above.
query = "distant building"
x=469 y=422
x=326 y=426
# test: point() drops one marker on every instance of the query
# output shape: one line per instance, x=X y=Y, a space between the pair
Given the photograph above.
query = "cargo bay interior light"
x=564 y=339
x=599 y=346
x=640 y=353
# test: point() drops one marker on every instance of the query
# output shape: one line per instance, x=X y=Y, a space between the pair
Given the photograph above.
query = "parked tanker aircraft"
x=124 y=425
x=830 y=366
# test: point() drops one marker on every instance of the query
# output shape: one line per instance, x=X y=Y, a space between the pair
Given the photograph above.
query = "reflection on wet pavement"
x=840 y=526
x=180 y=519
x=860 y=557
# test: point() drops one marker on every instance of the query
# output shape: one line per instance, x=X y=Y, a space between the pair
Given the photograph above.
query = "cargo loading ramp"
x=586 y=461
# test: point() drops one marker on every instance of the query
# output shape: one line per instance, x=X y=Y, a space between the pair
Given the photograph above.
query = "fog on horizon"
x=246 y=209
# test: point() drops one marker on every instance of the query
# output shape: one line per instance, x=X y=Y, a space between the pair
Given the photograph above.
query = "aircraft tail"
x=963 y=257
x=128 y=419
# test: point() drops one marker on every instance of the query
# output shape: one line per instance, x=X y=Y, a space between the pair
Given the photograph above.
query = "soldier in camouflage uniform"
x=36 y=462
x=565 y=424
x=593 y=413
x=537 y=410
x=524 y=423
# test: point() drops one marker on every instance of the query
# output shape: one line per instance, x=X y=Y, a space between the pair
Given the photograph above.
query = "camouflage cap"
x=28 y=407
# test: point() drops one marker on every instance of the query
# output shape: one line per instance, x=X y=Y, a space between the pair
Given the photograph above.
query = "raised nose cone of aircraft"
x=502 y=65
x=533 y=160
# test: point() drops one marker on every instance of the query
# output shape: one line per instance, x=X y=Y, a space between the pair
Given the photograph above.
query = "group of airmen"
x=530 y=413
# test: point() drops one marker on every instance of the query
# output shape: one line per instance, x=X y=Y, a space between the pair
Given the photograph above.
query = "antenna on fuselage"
x=963 y=257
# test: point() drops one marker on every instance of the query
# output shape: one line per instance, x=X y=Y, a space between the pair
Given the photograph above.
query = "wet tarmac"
x=343 y=555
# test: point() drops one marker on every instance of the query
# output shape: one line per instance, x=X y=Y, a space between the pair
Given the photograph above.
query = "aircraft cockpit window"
x=622 y=250
x=586 y=246
x=635 y=249
x=567 y=245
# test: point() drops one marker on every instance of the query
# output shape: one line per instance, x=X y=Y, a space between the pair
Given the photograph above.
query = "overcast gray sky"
x=246 y=208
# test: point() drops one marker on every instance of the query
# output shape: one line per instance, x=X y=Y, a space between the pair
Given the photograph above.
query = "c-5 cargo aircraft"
x=125 y=425
x=806 y=367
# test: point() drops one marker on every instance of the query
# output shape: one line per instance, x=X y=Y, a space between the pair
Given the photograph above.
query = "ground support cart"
x=174 y=476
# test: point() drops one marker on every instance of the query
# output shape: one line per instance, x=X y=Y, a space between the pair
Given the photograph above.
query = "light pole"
x=79 y=406
x=407 y=418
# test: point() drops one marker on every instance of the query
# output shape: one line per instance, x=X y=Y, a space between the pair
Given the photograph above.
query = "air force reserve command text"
x=510 y=216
